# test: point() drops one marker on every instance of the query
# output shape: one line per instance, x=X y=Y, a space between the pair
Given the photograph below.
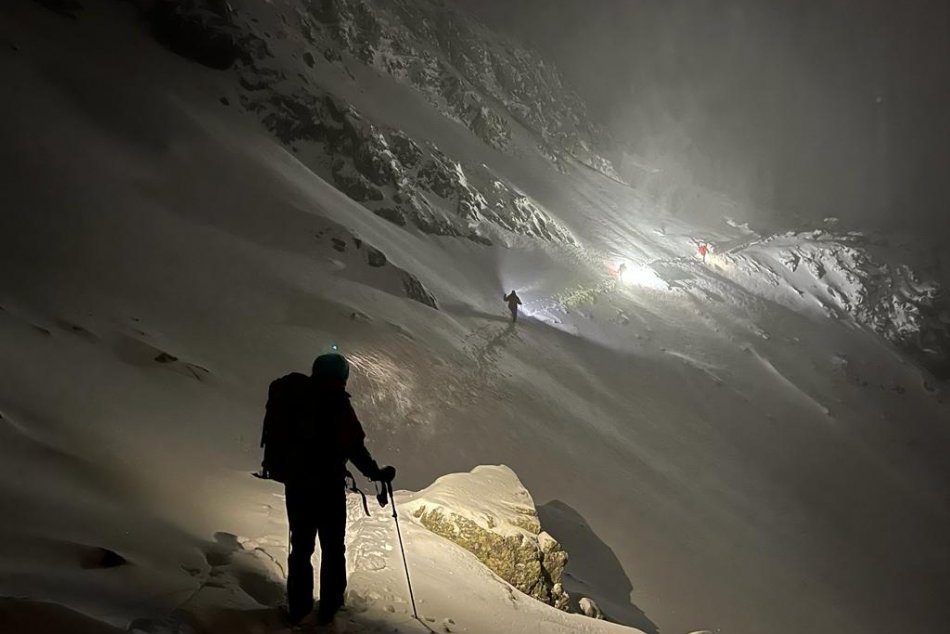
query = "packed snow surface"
x=714 y=452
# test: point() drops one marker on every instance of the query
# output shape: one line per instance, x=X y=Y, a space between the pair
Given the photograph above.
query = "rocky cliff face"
x=467 y=71
x=408 y=181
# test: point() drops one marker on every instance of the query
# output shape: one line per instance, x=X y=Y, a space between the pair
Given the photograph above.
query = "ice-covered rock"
x=490 y=513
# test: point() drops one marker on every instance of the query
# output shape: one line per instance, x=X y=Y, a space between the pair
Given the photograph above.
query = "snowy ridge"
x=836 y=275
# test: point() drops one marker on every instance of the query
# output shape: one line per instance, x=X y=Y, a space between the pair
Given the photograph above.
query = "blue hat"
x=331 y=367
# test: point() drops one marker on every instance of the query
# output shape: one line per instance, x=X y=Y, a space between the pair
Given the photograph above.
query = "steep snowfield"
x=707 y=454
x=837 y=275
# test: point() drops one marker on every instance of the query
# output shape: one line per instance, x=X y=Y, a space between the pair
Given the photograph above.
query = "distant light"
x=643 y=276
x=334 y=347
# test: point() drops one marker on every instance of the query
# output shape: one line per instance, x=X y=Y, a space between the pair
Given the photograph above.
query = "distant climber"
x=310 y=432
x=513 y=302
x=703 y=250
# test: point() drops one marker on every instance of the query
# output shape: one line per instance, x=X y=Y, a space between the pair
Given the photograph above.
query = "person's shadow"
x=593 y=569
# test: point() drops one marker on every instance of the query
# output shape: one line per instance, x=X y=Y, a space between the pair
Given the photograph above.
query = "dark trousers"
x=514 y=314
x=315 y=510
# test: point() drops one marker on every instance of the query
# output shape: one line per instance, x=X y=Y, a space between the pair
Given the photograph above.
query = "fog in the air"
x=803 y=110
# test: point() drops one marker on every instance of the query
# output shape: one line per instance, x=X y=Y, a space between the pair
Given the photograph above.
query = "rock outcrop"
x=202 y=30
x=490 y=513
x=399 y=179
x=467 y=71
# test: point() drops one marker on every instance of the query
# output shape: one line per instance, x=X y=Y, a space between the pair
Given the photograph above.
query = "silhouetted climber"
x=621 y=270
x=513 y=302
x=310 y=432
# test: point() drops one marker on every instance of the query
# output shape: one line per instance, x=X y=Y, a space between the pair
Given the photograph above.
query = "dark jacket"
x=339 y=435
x=325 y=431
x=513 y=301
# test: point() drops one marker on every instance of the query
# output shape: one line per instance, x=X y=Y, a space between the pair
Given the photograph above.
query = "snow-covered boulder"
x=490 y=513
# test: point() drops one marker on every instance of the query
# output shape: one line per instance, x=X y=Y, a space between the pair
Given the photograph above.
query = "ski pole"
x=402 y=549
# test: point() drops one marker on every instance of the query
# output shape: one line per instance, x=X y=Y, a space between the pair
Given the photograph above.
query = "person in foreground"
x=310 y=432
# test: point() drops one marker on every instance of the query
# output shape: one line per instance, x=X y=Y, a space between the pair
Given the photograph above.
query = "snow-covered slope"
x=709 y=457
x=837 y=275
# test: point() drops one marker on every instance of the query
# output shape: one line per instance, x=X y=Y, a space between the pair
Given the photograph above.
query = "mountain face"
x=474 y=77
x=466 y=73
x=200 y=196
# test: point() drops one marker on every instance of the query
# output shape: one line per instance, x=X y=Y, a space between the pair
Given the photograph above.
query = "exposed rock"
x=373 y=159
x=406 y=150
x=465 y=70
x=354 y=184
x=490 y=128
x=391 y=214
x=845 y=278
x=201 y=30
x=489 y=513
x=375 y=258
x=553 y=557
x=405 y=182
x=589 y=608
x=294 y=117
x=94 y=558
x=416 y=291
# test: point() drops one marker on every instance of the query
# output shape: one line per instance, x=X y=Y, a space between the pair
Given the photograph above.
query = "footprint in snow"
x=137 y=352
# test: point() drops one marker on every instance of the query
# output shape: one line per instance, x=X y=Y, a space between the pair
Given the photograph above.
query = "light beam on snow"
x=643 y=277
x=391 y=387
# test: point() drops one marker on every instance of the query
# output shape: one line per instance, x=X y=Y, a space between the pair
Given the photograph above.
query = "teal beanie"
x=331 y=367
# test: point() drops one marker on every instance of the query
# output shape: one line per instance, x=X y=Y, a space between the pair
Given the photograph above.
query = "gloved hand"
x=386 y=474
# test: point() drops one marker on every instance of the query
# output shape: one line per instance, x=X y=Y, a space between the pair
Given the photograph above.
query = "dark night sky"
x=818 y=108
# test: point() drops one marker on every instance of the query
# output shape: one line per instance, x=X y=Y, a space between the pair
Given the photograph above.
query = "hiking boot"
x=296 y=617
x=326 y=612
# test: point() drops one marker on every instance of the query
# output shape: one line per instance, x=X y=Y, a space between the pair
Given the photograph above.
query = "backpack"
x=288 y=420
